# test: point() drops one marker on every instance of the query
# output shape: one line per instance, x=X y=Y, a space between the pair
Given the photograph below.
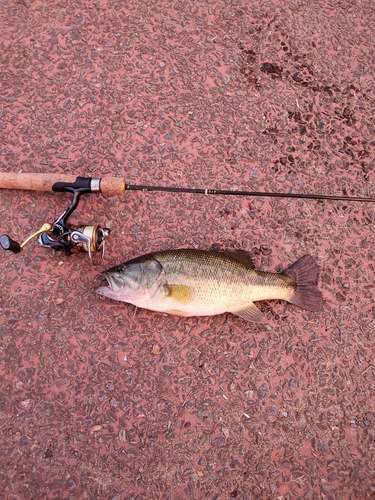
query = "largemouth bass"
x=189 y=282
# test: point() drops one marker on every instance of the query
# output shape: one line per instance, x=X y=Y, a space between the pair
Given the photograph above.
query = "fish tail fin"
x=304 y=276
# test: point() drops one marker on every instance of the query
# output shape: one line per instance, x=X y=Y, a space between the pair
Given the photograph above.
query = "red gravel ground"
x=101 y=401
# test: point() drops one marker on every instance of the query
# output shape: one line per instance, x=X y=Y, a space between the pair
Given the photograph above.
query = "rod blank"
x=227 y=192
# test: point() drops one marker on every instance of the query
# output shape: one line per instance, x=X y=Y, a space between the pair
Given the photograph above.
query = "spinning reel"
x=61 y=235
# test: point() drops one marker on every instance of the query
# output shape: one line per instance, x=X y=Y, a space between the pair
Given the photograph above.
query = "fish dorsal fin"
x=250 y=313
x=180 y=293
x=240 y=256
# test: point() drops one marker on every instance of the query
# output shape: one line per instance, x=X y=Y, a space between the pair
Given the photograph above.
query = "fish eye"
x=120 y=269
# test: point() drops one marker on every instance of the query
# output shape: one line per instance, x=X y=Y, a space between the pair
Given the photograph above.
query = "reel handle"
x=7 y=243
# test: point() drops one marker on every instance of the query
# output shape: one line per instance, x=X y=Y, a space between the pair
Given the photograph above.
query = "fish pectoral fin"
x=180 y=293
x=250 y=313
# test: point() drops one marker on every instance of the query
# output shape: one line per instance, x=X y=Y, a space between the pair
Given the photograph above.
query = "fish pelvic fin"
x=304 y=278
x=250 y=313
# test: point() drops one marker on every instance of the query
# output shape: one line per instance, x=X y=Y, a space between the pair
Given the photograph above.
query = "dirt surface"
x=99 y=400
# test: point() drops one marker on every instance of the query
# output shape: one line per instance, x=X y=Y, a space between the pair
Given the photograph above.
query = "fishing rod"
x=61 y=235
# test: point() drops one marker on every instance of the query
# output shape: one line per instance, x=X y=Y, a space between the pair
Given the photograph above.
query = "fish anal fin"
x=180 y=293
x=250 y=313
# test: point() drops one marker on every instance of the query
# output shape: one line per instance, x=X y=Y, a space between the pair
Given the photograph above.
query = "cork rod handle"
x=45 y=182
x=112 y=185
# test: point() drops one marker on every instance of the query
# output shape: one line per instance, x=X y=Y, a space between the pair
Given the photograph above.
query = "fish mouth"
x=114 y=286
